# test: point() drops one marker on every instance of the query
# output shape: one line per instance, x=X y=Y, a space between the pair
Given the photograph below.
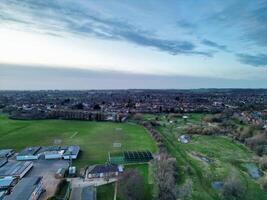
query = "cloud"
x=186 y=25
x=259 y=60
x=214 y=44
x=23 y=77
x=74 y=18
x=243 y=20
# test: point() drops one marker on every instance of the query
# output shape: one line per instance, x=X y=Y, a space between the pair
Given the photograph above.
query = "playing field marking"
x=116 y=145
x=74 y=134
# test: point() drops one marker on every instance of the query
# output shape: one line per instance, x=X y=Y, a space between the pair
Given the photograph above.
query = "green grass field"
x=95 y=138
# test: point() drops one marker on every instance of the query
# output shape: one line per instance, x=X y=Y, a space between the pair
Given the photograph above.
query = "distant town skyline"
x=100 y=44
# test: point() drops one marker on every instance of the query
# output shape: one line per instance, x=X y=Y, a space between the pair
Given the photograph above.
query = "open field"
x=95 y=138
x=225 y=154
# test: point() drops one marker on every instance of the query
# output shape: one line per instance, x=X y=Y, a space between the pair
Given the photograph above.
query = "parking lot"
x=47 y=169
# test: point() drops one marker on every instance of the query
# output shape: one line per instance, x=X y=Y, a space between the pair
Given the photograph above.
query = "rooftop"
x=6 y=182
x=72 y=150
x=14 y=168
x=103 y=169
x=6 y=152
x=29 y=151
x=23 y=190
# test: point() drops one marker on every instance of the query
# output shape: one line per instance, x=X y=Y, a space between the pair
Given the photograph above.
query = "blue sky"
x=204 y=40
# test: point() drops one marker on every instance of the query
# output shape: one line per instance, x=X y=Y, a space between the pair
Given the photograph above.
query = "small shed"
x=60 y=173
x=184 y=139
x=29 y=153
x=6 y=182
x=6 y=153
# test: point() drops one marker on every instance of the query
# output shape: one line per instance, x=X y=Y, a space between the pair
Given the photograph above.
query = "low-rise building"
x=29 y=188
x=15 y=169
x=29 y=153
x=2 y=194
x=6 y=182
x=103 y=171
x=71 y=153
x=6 y=153
x=50 y=152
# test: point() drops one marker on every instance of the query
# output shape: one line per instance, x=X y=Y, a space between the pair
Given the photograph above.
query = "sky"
x=115 y=44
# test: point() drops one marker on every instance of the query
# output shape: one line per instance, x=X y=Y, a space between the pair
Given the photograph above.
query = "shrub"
x=263 y=163
x=233 y=188
x=264 y=184
x=138 y=117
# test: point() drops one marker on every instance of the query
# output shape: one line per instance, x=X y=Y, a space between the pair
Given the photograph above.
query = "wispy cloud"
x=59 y=16
x=259 y=60
x=244 y=19
x=214 y=45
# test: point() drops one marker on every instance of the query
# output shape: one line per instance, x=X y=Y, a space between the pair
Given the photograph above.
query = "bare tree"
x=263 y=163
x=165 y=178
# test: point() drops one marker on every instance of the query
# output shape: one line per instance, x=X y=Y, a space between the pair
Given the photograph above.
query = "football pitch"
x=96 y=139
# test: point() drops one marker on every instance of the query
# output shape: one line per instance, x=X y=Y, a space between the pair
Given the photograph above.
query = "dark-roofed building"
x=29 y=188
x=2 y=194
x=15 y=169
x=3 y=162
x=5 y=153
x=103 y=171
x=6 y=182
x=83 y=193
x=29 y=153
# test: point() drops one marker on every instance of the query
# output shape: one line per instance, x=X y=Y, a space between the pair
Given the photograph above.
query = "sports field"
x=96 y=139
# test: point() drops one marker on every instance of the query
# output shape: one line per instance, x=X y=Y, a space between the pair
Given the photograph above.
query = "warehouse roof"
x=14 y=168
x=72 y=150
x=24 y=189
x=3 y=162
x=29 y=151
x=6 y=152
x=6 y=182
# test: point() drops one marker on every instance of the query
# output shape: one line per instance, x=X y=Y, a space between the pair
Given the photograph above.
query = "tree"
x=233 y=188
x=264 y=184
x=138 y=117
x=79 y=106
x=97 y=107
x=131 y=186
x=165 y=174
x=263 y=163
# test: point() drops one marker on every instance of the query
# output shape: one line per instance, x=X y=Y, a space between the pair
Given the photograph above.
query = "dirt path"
x=79 y=182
